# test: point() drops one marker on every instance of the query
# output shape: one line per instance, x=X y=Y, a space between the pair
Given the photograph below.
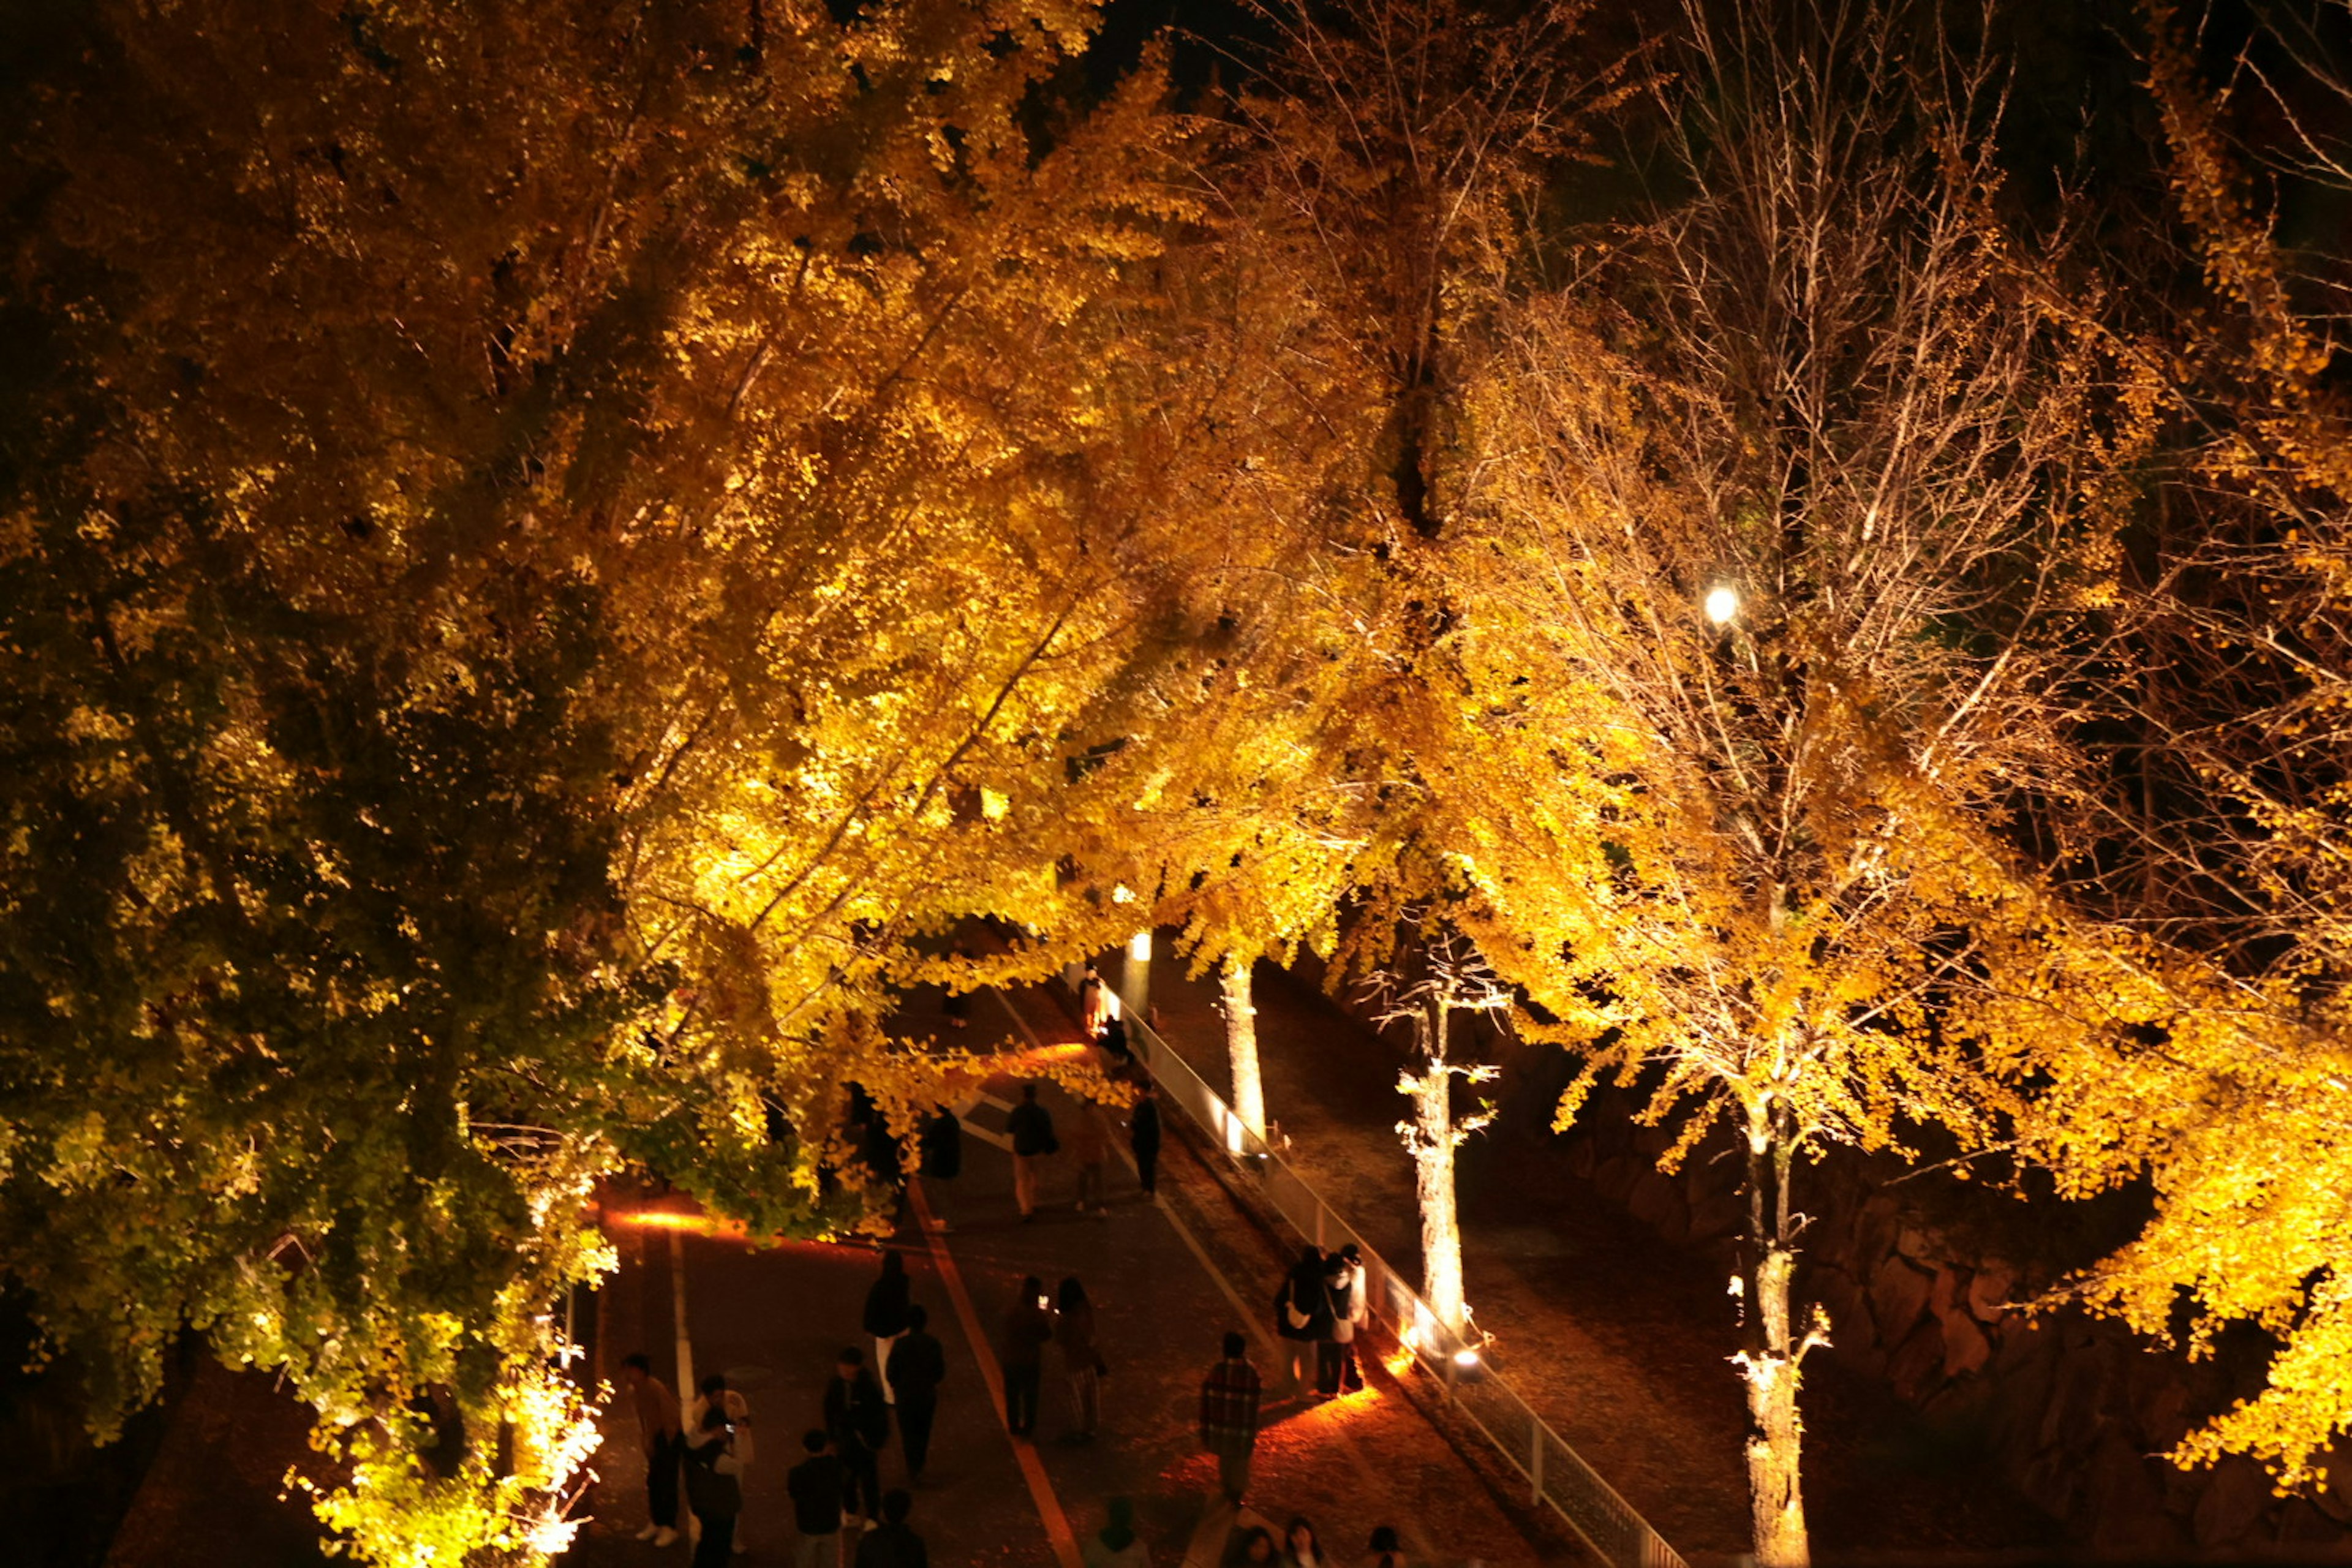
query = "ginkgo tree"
x=2228 y=838
x=525 y=528
x=1775 y=602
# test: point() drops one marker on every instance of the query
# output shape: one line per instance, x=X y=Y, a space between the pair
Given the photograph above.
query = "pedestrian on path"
x=940 y=1148
x=1351 y=1312
x=1028 y=1325
x=1032 y=1128
x=1090 y=1144
x=886 y=1316
x=1082 y=1360
x=1384 y=1552
x=1094 y=1004
x=714 y=1485
x=1116 y=1544
x=738 y=1415
x=918 y=1366
x=1302 y=1314
x=664 y=1441
x=735 y=1417
x=1143 y=1138
x=893 y=1544
x=815 y=1487
x=1301 y=1548
x=1229 y=1402
x=859 y=1422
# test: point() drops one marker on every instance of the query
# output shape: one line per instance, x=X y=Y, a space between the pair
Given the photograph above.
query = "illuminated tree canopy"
x=549 y=557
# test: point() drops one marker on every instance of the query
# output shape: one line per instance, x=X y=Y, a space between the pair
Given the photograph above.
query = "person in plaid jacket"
x=1229 y=1396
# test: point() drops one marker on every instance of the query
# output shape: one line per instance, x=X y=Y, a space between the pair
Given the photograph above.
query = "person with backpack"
x=1031 y=1128
x=859 y=1422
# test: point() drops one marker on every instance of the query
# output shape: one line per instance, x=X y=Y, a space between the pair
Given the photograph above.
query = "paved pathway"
x=1168 y=1280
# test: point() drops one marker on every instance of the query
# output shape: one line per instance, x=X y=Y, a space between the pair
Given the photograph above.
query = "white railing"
x=1555 y=1472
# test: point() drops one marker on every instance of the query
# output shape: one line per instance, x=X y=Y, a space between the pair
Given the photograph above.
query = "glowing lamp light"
x=1722 y=604
x=1139 y=945
x=1465 y=1357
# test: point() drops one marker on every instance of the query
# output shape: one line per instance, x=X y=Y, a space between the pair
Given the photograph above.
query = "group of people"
x=1034 y=1141
x=709 y=1442
x=1064 y=1320
x=836 y=1486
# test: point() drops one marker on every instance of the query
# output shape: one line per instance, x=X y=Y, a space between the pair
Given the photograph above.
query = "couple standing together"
x=1322 y=1303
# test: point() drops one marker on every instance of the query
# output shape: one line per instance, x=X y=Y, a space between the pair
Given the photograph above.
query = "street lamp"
x=1722 y=604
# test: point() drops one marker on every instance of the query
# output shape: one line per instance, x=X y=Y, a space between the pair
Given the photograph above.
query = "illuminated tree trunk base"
x=1241 y=1044
x=1441 y=1229
x=1776 y=1434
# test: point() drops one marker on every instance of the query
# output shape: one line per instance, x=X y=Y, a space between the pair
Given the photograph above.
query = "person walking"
x=1143 y=1138
x=1384 y=1551
x=1351 y=1312
x=815 y=1487
x=940 y=1148
x=1090 y=1145
x=664 y=1441
x=714 y=1487
x=894 y=1543
x=1229 y=1402
x=858 y=1421
x=1302 y=1314
x=918 y=1366
x=1031 y=1126
x=886 y=1316
x=1028 y=1326
x=1116 y=1544
x=1082 y=1361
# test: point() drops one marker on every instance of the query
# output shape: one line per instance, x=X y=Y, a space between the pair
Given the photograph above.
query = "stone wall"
x=2074 y=1409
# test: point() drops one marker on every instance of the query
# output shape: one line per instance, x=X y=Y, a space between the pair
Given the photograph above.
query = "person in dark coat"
x=940 y=1148
x=815 y=1486
x=1031 y=1128
x=859 y=1422
x=713 y=1488
x=886 y=1316
x=1028 y=1327
x=894 y=1544
x=1143 y=1137
x=1302 y=1311
x=918 y=1364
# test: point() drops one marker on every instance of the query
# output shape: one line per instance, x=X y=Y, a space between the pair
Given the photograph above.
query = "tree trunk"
x=1241 y=1044
x=1772 y=1361
x=1432 y=1158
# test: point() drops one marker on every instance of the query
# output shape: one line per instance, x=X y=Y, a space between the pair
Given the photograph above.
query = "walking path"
x=1167 y=1281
